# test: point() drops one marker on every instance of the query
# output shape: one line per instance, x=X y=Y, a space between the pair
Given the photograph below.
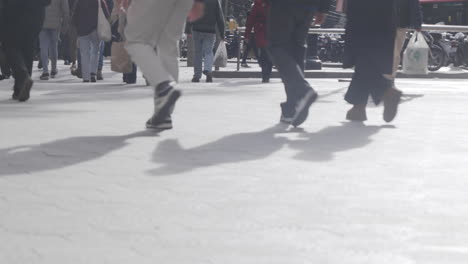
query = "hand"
x=418 y=29
x=247 y=40
x=319 y=19
x=197 y=11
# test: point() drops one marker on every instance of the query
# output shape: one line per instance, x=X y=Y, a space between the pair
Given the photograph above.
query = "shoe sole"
x=391 y=107
x=303 y=108
x=166 y=108
x=162 y=126
x=25 y=92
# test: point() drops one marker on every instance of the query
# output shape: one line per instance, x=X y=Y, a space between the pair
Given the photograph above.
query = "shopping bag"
x=416 y=56
x=103 y=27
x=120 y=59
x=220 y=58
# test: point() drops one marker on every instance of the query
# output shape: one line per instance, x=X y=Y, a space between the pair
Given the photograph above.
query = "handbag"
x=103 y=27
x=221 y=57
x=416 y=55
x=120 y=59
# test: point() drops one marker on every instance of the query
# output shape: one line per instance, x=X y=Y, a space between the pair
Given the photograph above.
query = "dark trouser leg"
x=367 y=81
x=4 y=65
x=132 y=76
x=72 y=39
x=265 y=63
x=246 y=53
x=16 y=60
x=287 y=27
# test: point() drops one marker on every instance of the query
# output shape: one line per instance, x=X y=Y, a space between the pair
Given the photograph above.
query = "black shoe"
x=53 y=73
x=195 y=80
x=78 y=73
x=44 y=77
x=245 y=65
x=165 y=124
x=86 y=81
x=99 y=76
x=93 y=78
x=39 y=65
x=164 y=103
x=15 y=95
x=302 y=107
x=209 y=77
x=265 y=80
x=25 y=89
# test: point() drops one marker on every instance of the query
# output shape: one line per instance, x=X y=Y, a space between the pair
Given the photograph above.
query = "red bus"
x=450 y=12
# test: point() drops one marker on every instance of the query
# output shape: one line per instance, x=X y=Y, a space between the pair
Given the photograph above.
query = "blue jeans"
x=48 y=40
x=101 y=55
x=203 y=48
x=89 y=51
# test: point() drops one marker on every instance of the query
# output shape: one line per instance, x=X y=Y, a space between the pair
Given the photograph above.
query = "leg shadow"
x=324 y=144
x=174 y=159
x=61 y=153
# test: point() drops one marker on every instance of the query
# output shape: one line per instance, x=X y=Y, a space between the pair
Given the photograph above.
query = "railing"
x=425 y=27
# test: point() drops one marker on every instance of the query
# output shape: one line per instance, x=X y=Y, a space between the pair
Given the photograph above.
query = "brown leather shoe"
x=357 y=113
x=391 y=100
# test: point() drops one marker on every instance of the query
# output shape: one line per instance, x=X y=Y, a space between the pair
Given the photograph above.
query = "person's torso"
x=53 y=14
x=208 y=22
x=86 y=14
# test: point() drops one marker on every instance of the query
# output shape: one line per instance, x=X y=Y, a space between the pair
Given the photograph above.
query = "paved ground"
x=82 y=182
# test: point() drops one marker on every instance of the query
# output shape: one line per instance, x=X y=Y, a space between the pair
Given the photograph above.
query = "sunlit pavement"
x=81 y=181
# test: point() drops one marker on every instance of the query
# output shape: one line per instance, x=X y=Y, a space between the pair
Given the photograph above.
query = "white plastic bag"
x=416 y=56
x=103 y=27
x=220 y=58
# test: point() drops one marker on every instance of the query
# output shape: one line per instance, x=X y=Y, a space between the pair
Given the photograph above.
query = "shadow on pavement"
x=61 y=153
x=319 y=146
x=230 y=149
x=324 y=144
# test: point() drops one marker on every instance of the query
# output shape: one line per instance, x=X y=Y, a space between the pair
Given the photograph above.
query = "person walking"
x=22 y=23
x=257 y=21
x=204 y=38
x=153 y=30
x=57 y=16
x=288 y=25
x=85 y=19
x=369 y=48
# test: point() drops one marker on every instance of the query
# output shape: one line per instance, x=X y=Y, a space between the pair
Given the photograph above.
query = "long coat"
x=24 y=19
x=257 y=21
x=370 y=34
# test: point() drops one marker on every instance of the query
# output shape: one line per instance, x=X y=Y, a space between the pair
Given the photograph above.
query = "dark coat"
x=257 y=20
x=24 y=19
x=370 y=36
x=409 y=14
x=85 y=16
x=212 y=20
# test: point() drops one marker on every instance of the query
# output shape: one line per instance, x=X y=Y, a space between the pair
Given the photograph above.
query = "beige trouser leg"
x=399 y=42
x=153 y=32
